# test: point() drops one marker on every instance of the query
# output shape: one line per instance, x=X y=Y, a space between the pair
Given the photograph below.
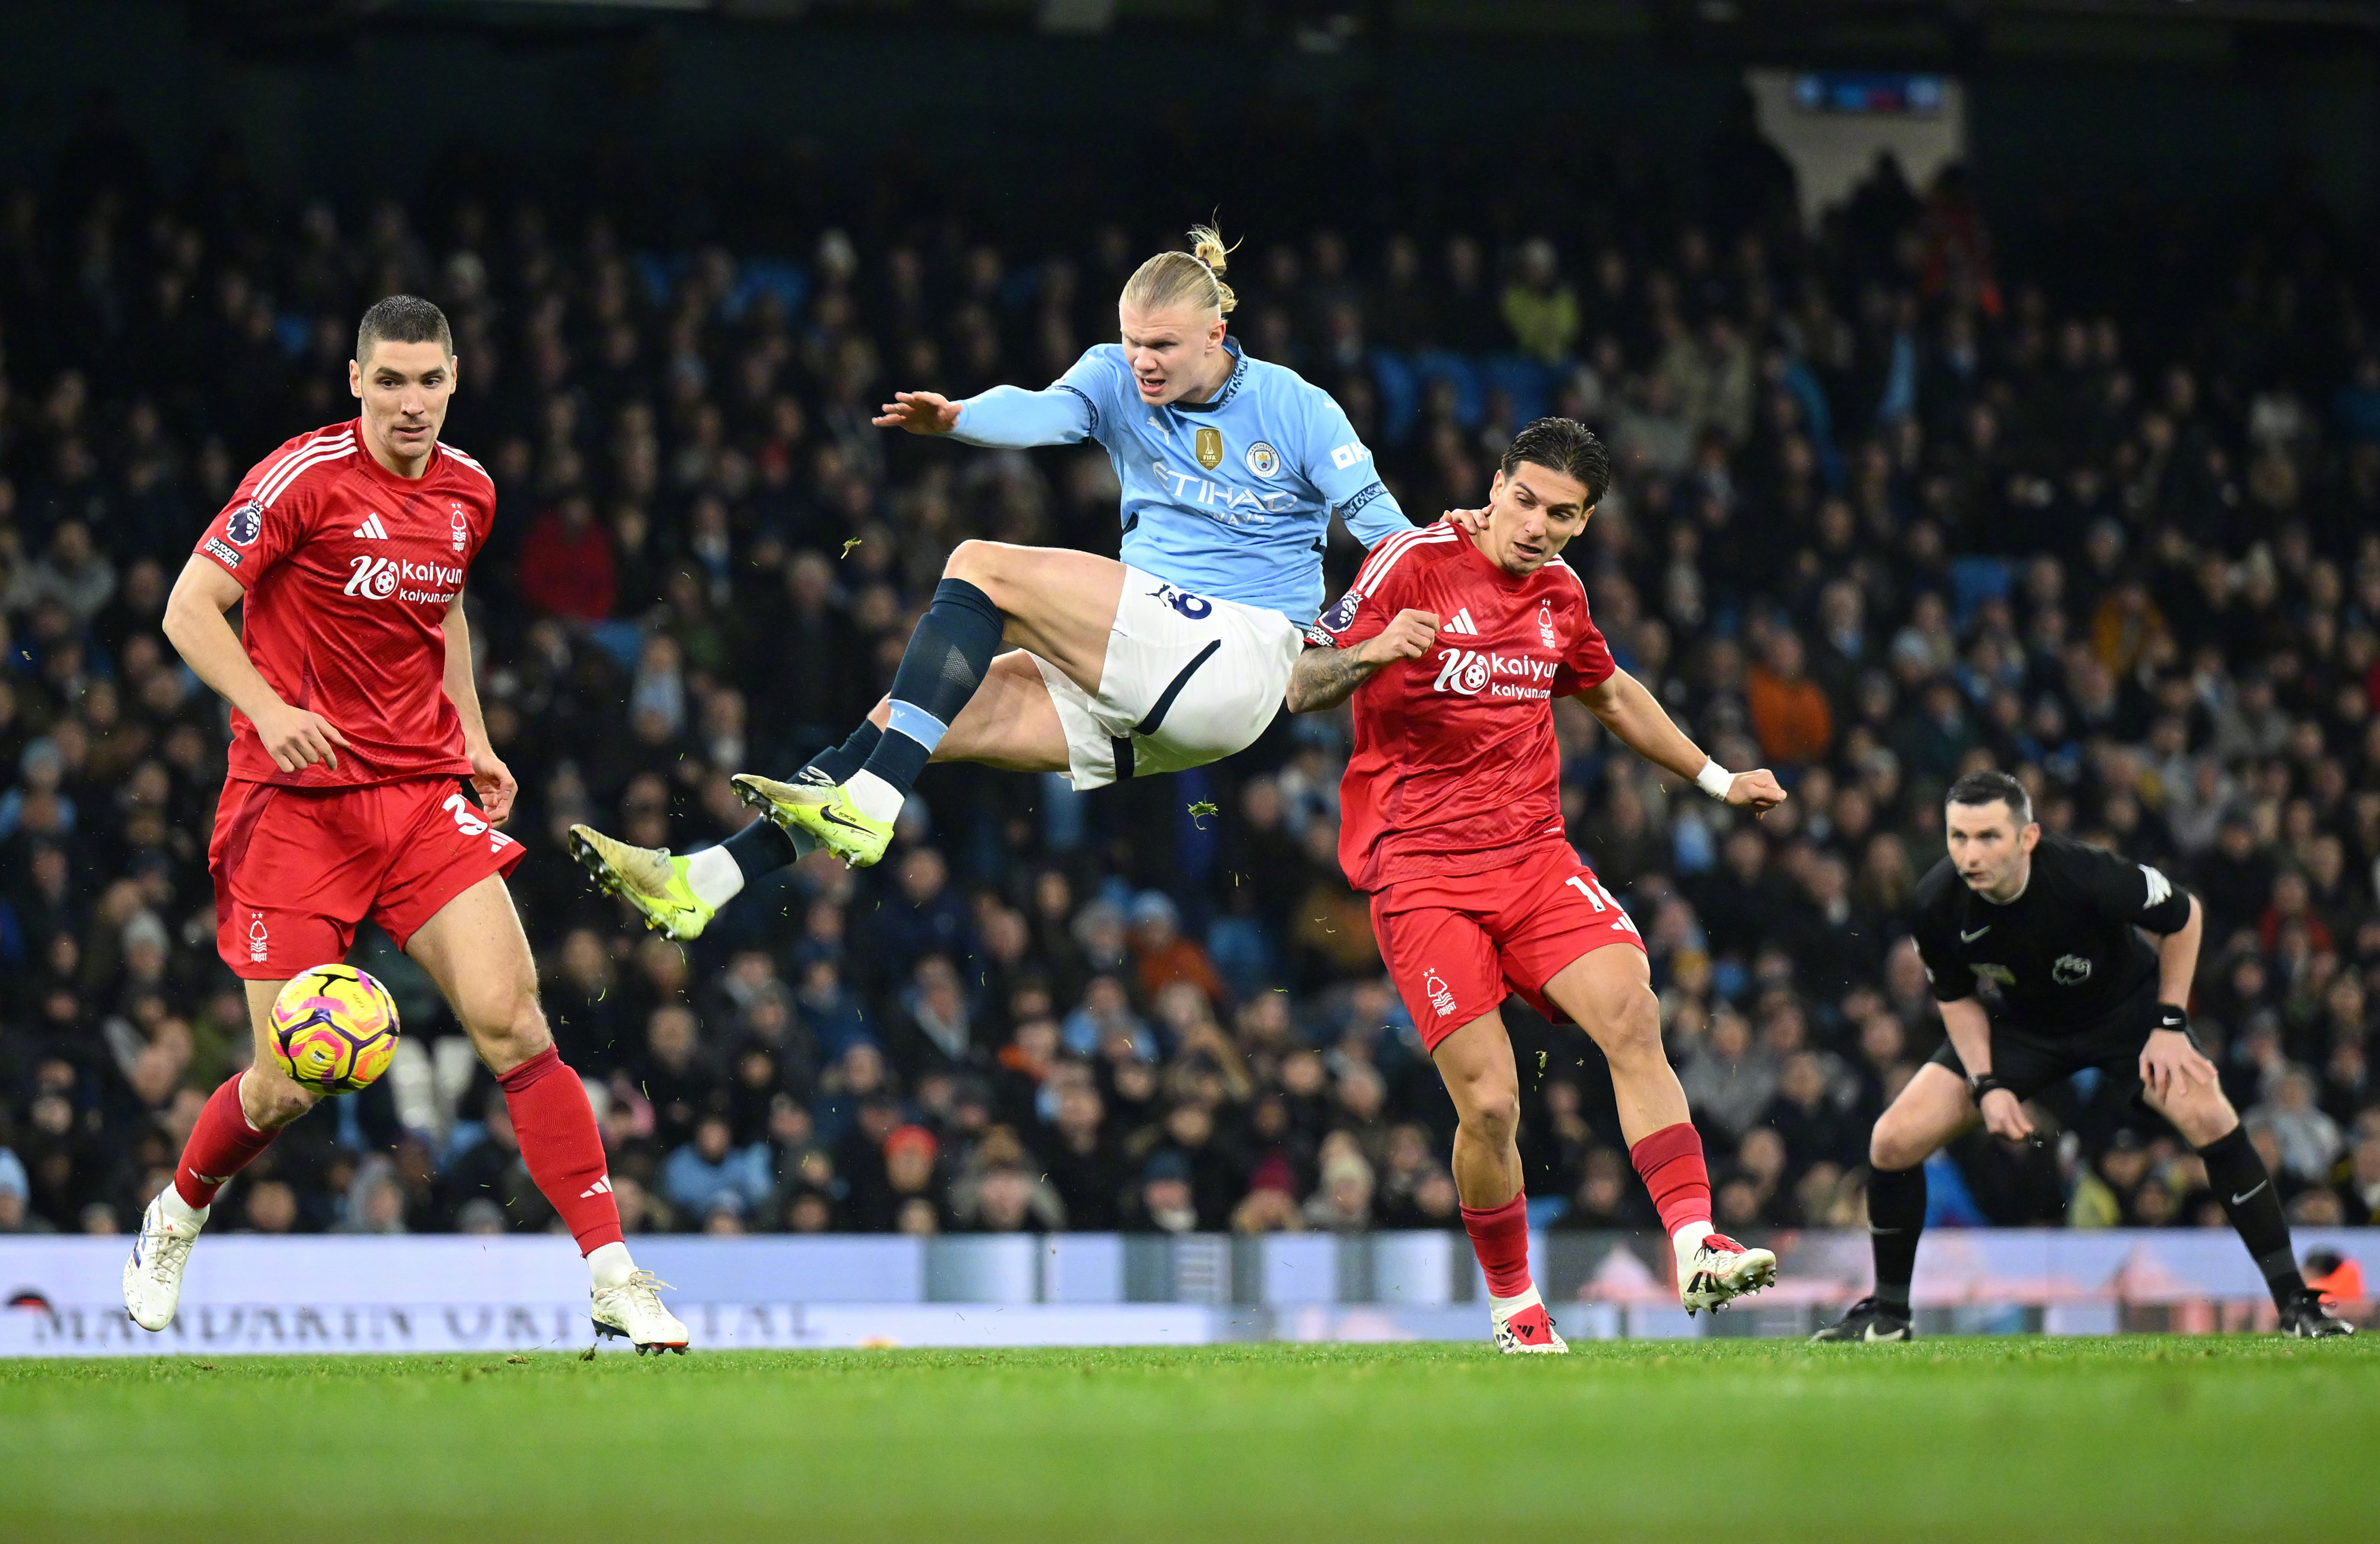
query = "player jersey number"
x=1601 y=900
x=1195 y=607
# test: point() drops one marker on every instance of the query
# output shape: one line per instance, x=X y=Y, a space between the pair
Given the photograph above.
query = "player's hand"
x=1407 y=637
x=1469 y=521
x=919 y=413
x=1757 y=791
x=2004 y=1115
x=2170 y=1065
x=495 y=784
x=297 y=740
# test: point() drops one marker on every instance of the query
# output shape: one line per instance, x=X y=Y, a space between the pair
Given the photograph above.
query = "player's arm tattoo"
x=1325 y=677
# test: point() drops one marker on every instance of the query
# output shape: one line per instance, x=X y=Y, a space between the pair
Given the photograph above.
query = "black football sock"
x=2241 y=1181
x=943 y=665
x=1895 y=1219
x=762 y=847
x=836 y=763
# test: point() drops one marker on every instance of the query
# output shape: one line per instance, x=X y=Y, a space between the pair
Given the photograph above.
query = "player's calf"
x=1712 y=1269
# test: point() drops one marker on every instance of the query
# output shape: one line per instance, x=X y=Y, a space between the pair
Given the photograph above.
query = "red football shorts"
x=297 y=869
x=1456 y=945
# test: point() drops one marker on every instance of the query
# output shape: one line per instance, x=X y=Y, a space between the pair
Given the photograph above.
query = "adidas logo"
x=600 y=1187
x=372 y=529
x=1461 y=623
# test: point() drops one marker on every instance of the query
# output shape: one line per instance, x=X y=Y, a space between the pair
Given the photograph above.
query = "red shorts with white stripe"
x=297 y=869
x=1457 y=945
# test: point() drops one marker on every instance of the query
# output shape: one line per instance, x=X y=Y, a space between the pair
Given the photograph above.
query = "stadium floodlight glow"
x=1076 y=16
x=621 y=5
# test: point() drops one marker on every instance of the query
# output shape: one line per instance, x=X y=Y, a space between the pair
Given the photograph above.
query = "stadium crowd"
x=1883 y=512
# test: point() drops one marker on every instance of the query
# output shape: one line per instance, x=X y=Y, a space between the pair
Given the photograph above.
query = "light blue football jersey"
x=1230 y=497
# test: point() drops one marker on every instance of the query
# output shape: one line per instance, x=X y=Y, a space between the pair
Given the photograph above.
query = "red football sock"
x=221 y=1145
x=1500 y=1236
x=556 y=1127
x=1671 y=1161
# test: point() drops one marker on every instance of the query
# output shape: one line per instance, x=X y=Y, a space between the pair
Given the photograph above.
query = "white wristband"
x=1714 y=779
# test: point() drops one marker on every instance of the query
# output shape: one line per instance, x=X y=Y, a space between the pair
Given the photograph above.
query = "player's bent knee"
x=1490 y=1108
x=507 y=1031
x=1630 y=1031
x=1894 y=1145
x=2203 y=1115
x=271 y=1102
x=974 y=560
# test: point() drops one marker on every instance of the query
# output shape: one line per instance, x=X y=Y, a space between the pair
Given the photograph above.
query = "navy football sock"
x=836 y=763
x=944 y=663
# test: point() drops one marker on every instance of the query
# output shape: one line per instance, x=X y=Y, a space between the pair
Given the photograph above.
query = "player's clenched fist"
x=297 y=740
x=919 y=413
x=1758 y=791
x=1407 y=637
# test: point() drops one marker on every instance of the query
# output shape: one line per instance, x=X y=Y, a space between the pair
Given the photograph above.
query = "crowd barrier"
x=457 y=1293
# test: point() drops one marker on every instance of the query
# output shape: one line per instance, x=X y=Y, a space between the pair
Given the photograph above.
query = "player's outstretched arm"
x=294 y=737
x=918 y=413
x=1006 y=416
x=1634 y=714
x=1325 y=677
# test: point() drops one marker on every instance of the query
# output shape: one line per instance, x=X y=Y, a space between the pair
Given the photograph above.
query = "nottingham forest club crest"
x=1207 y=446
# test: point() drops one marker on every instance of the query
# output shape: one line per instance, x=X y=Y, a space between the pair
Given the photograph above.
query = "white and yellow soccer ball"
x=333 y=1028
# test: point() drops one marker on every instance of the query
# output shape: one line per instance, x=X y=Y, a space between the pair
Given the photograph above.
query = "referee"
x=2056 y=926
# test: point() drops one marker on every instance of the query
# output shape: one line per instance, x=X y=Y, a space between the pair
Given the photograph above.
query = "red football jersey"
x=349 y=571
x=1455 y=768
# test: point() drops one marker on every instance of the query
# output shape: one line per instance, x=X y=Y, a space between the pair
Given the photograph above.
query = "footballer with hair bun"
x=1042 y=659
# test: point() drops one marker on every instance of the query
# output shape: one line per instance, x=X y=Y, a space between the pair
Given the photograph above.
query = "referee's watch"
x=1983 y=1083
x=2173 y=1018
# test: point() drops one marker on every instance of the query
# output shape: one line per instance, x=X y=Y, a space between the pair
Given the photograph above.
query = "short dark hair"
x=1987 y=786
x=1563 y=445
x=403 y=319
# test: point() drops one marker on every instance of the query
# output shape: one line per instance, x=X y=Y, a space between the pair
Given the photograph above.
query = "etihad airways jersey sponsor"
x=349 y=571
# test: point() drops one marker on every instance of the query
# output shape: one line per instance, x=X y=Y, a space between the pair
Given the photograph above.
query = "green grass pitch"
x=2139 y=1438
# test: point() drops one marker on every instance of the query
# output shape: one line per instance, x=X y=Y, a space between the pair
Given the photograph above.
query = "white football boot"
x=1523 y=1327
x=153 y=1277
x=1720 y=1271
x=632 y=1309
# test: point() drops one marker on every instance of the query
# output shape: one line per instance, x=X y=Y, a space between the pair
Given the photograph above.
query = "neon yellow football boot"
x=824 y=813
x=648 y=879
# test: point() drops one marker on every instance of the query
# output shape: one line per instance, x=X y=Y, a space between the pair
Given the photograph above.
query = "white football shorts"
x=1189 y=680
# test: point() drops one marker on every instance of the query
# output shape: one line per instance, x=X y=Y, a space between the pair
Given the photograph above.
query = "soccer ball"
x=333 y=1028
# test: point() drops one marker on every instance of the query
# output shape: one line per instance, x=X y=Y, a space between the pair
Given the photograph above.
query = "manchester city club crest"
x=1207 y=446
x=1263 y=460
x=245 y=524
